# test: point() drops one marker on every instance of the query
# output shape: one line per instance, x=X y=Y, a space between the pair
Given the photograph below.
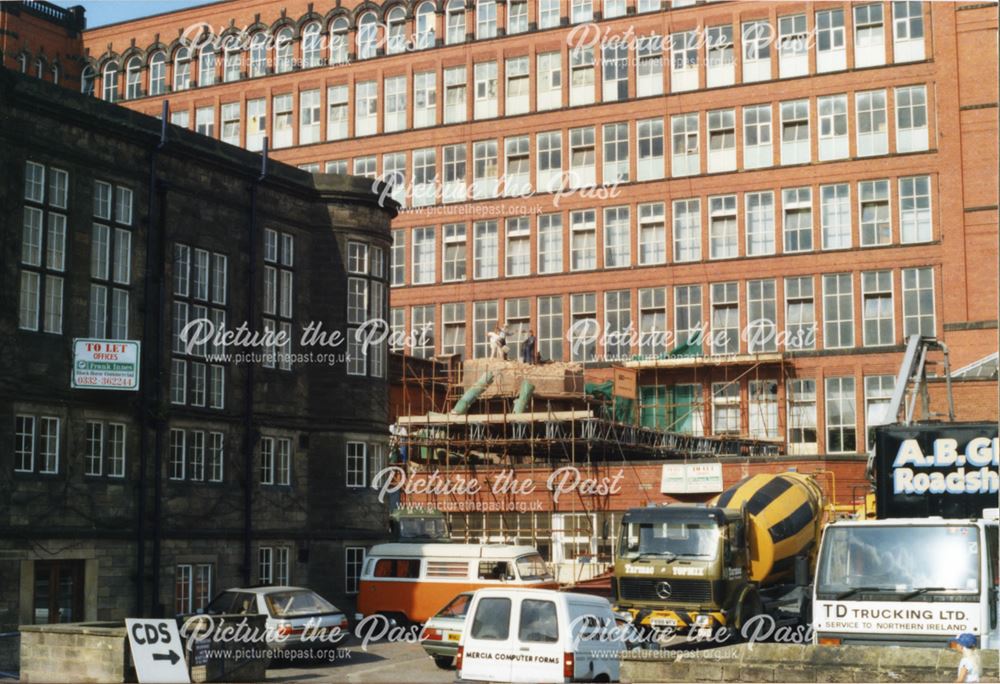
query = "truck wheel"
x=444 y=662
x=749 y=607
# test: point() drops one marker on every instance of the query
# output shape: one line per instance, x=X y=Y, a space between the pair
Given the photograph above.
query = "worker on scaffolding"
x=498 y=342
x=528 y=348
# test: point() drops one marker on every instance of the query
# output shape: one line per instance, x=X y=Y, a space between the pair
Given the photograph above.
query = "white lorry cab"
x=538 y=635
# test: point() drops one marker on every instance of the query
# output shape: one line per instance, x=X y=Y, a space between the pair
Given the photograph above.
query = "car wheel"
x=444 y=662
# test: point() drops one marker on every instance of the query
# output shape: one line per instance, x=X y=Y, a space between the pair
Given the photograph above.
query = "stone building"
x=230 y=464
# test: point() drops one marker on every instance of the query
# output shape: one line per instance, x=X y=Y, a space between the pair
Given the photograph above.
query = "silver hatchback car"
x=441 y=634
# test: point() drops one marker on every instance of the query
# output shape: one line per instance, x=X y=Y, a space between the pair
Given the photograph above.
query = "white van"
x=538 y=635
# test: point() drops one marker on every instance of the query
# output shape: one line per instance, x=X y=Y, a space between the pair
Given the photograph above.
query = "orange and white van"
x=413 y=581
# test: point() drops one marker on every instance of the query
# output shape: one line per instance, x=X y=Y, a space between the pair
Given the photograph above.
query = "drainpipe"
x=249 y=437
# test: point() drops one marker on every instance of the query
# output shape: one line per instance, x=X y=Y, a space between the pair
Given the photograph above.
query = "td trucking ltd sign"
x=895 y=618
x=105 y=365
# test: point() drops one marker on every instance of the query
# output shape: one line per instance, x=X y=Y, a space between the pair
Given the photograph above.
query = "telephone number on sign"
x=106 y=382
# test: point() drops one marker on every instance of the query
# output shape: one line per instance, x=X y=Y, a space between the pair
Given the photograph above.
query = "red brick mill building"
x=829 y=168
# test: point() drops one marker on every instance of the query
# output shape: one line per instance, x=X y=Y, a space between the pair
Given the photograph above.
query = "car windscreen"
x=670 y=538
x=532 y=567
x=295 y=603
x=457 y=608
x=233 y=602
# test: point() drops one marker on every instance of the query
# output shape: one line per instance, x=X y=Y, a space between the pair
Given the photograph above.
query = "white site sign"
x=157 y=651
x=691 y=478
x=896 y=617
x=105 y=364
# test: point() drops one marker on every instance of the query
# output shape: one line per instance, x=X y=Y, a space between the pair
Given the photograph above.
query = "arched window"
x=133 y=78
x=486 y=19
x=206 y=65
x=182 y=69
x=425 y=26
x=338 y=40
x=311 y=46
x=23 y=60
x=109 y=82
x=87 y=80
x=157 y=74
x=233 y=67
x=55 y=73
x=258 y=54
x=367 y=36
x=284 y=49
x=40 y=68
x=396 y=22
x=455 y=20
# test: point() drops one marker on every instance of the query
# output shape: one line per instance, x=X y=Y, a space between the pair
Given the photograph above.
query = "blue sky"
x=101 y=12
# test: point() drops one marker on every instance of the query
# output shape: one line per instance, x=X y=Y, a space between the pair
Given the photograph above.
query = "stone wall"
x=795 y=663
x=74 y=653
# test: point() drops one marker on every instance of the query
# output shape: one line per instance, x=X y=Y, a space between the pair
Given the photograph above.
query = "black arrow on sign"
x=169 y=655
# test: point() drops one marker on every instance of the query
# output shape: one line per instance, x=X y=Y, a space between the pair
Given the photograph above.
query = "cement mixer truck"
x=696 y=568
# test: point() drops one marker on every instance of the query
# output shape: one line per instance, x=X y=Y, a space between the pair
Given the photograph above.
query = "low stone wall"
x=77 y=652
x=795 y=663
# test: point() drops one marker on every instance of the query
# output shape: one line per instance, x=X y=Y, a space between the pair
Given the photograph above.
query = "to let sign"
x=691 y=478
x=105 y=364
x=157 y=651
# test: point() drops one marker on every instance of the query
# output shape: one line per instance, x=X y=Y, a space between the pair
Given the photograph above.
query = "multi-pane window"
x=683 y=61
x=517 y=86
x=723 y=238
x=365 y=108
x=485 y=250
x=652 y=321
x=841 y=415
x=354 y=559
x=725 y=318
x=915 y=209
x=518 y=321
x=797 y=223
x=878 y=396
x=795 y=132
x=721 y=69
x=395 y=29
x=762 y=316
x=204 y=121
x=757 y=39
x=873 y=127
x=485 y=104
x=869 y=35
x=133 y=79
x=366 y=300
x=617 y=323
x=725 y=408
x=757 y=152
x=454 y=188
x=422 y=322
x=550 y=243
x=484 y=169
x=550 y=328
x=336 y=118
x=760 y=223
x=649 y=143
x=454 y=93
x=424 y=99
x=397 y=258
x=911 y=119
x=256 y=123
x=684 y=134
x=652 y=234
x=455 y=22
x=878 y=320
x=453 y=329
x=195 y=455
x=424 y=176
x=581 y=66
x=763 y=409
x=43 y=247
x=831 y=51
x=484 y=320
x=275 y=461
x=517 y=16
x=800 y=313
x=722 y=140
x=649 y=66
x=518 y=247
x=486 y=19
x=282 y=125
x=548 y=13
x=617 y=241
x=110 y=262
x=279 y=294
x=231 y=123
x=395 y=104
x=581 y=11
x=549 y=150
x=802 y=428
x=284 y=49
x=36 y=444
x=918 y=302
x=157 y=74
x=876 y=224
x=192 y=587
x=517 y=166
x=394 y=175
x=423 y=256
x=182 y=69
x=104 y=449
x=199 y=301
x=835 y=215
x=616 y=163
x=583 y=326
x=838 y=311
x=311 y=46
x=615 y=64
x=688 y=326
x=583 y=240
x=908 y=31
x=582 y=157
x=366 y=166
x=232 y=69
x=793 y=46
x=833 y=142
x=548 y=81
x=367 y=36
x=687 y=230
x=309 y=112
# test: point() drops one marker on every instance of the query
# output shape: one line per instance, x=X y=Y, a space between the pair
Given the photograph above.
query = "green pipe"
x=523 y=397
x=463 y=405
